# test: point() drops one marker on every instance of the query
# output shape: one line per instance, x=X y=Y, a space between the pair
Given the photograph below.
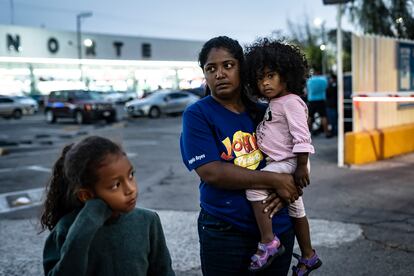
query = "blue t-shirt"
x=316 y=88
x=214 y=133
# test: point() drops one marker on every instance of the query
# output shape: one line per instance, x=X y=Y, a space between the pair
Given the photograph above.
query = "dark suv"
x=81 y=105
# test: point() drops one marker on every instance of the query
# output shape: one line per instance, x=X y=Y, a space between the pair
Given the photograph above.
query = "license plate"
x=106 y=113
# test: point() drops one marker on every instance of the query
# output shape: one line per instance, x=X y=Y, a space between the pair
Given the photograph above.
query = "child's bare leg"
x=301 y=227
x=263 y=221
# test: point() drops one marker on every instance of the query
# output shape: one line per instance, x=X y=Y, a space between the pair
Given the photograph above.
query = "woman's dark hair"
x=75 y=168
x=283 y=58
x=236 y=50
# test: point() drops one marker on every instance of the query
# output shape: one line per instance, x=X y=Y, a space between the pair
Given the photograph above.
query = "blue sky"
x=181 y=19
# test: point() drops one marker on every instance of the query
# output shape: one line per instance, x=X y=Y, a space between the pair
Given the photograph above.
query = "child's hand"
x=301 y=176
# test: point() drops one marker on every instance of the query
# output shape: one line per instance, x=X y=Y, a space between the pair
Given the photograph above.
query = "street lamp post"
x=340 y=78
x=79 y=37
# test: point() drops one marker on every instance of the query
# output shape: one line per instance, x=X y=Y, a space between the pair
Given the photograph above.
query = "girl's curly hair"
x=277 y=55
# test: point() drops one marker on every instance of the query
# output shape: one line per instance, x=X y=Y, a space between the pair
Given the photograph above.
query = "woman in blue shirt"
x=218 y=141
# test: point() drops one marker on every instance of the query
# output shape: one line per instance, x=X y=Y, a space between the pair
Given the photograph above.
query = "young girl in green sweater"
x=90 y=211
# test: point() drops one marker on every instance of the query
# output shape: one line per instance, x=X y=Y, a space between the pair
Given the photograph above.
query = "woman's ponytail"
x=57 y=194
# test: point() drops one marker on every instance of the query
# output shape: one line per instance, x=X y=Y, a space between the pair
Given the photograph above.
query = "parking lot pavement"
x=361 y=217
x=24 y=251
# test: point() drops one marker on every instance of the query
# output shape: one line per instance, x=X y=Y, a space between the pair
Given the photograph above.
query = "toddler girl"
x=278 y=72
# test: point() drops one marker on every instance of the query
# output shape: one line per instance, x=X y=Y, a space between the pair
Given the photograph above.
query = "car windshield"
x=88 y=95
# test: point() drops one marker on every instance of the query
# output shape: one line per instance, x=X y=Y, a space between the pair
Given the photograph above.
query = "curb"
x=3 y=151
x=19 y=200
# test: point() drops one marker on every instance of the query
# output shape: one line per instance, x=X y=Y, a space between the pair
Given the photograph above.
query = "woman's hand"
x=285 y=187
x=272 y=204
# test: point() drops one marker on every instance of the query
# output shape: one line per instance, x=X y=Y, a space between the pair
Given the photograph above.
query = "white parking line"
x=39 y=168
x=32 y=168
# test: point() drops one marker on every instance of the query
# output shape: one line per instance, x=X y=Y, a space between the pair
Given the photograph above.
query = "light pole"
x=340 y=78
x=79 y=37
x=319 y=23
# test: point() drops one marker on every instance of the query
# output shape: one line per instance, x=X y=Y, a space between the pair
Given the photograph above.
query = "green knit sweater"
x=85 y=242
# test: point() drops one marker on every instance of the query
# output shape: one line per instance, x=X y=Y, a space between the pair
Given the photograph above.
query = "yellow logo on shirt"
x=243 y=149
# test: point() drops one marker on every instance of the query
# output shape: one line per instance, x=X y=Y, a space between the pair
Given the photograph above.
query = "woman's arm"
x=228 y=176
x=68 y=255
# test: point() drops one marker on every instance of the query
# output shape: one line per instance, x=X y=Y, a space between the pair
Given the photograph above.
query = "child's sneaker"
x=270 y=251
x=310 y=264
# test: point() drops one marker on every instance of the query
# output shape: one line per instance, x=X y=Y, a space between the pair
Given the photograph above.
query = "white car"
x=31 y=105
x=160 y=102
x=119 y=97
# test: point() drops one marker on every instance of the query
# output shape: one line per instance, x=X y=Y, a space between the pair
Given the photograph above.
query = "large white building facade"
x=35 y=60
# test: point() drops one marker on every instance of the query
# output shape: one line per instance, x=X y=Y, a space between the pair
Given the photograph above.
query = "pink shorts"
x=296 y=209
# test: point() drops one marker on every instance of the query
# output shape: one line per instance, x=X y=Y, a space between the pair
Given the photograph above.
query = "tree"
x=309 y=40
x=402 y=11
x=389 y=18
x=346 y=47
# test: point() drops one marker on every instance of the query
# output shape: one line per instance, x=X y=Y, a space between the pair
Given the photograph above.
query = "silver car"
x=10 y=107
x=160 y=102
x=31 y=106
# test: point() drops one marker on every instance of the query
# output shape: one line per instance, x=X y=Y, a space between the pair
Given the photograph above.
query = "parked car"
x=10 y=107
x=81 y=105
x=119 y=97
x=39 y=98
x=160 y=102
x=198 y=91
x=31 y=105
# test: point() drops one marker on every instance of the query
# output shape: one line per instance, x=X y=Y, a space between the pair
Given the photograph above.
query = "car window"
x=53 y=95
x=59 y=95
x=6 y=100
x=177 y=95
x=87 y=95
x=156 y=96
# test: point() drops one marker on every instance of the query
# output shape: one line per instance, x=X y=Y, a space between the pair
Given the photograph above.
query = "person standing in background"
x=332 y=104
x=316 y=94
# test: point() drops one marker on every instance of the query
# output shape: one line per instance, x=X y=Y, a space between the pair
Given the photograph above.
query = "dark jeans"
x=333 y=119
x=226 y=251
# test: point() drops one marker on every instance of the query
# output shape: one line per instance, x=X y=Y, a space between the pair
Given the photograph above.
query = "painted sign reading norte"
x=14 y=43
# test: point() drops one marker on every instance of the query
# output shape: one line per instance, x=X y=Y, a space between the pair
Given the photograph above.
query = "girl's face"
x=222 y=73
x=117 y=185
x=271 y=85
